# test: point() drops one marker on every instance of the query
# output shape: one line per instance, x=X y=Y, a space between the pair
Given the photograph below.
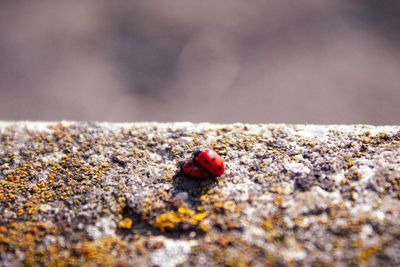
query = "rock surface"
x=111 y=194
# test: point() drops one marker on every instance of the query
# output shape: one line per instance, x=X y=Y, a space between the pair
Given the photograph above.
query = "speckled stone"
x=75 y=193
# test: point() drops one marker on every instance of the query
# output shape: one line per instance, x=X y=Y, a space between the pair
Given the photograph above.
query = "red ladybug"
x=205 y=163
x=190 y=168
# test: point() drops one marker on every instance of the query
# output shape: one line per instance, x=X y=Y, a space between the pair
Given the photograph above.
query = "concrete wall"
x=113 y=194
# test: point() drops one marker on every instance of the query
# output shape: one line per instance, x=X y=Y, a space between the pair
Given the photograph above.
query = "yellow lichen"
x=170 y=220
x=199 y=216
x=125 y=223
x=167 y=221
x=349 y=163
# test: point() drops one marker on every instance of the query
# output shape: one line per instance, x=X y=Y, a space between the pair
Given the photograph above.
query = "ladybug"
x=190 y=168
x=205 y=163
x=210 y=161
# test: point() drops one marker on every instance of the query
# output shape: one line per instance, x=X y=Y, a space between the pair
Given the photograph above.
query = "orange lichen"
x=367 y=253
x=268 y=224
x=278 y=201
x=98 y=252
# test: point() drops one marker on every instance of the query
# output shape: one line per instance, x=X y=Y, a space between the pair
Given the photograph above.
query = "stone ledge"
x=110 y=193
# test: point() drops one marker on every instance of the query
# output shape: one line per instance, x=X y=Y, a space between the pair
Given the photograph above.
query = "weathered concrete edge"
x=42 y=125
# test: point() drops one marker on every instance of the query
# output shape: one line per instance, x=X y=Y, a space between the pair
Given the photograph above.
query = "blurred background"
x=295 y=61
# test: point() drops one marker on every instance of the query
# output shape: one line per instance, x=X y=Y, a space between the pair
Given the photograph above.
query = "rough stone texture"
x=112 y=194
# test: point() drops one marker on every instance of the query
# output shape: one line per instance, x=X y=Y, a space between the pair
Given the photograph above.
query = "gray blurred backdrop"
x=294 y=61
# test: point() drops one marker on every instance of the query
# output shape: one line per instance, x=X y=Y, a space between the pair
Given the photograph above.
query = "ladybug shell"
x=210 y=161
x=190 y=168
